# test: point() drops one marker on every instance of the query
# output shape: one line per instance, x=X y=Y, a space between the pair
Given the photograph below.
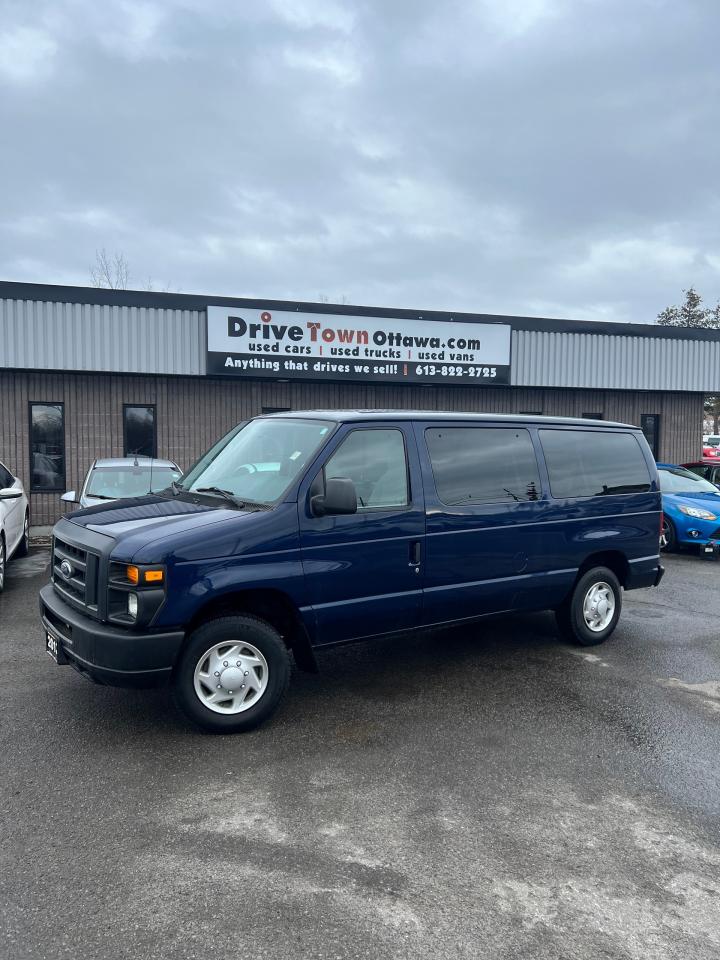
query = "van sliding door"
x=485 y=507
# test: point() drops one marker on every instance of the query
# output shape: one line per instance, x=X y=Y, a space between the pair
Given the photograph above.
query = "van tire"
x=246 y=632
x=588 y=604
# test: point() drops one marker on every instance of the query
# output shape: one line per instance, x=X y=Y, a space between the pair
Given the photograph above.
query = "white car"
x=14 y=520
x=122 y=478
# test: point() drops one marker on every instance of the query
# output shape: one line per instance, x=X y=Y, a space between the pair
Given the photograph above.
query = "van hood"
x=135 y=523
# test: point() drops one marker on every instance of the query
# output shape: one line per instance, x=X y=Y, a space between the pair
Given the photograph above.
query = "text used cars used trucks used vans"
x=301 y=530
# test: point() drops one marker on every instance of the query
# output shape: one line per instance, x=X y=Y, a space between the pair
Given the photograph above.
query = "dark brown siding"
x=193 y=412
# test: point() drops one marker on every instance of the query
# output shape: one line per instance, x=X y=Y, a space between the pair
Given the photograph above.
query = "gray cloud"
x=550 y=157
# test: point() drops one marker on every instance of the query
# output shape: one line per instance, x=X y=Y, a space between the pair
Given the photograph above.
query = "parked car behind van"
x=707 y=468
x=14 y=520
x=122 y=478
x=299 y=531
x=691 y=509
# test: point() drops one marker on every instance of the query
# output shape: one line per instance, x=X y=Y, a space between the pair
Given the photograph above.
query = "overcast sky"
x=540 y=157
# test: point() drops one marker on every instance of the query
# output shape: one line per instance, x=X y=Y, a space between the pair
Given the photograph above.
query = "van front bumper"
x=105 y=654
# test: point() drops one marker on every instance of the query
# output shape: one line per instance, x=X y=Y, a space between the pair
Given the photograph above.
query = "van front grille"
x=74 y=573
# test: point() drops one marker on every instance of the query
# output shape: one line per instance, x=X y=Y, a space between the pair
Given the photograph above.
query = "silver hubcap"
x=664 y=535
x=231 y=677
x=599 y=606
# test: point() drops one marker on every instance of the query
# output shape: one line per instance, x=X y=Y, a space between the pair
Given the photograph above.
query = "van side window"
x=585 y=463
x=483 y=465
x=375 y=461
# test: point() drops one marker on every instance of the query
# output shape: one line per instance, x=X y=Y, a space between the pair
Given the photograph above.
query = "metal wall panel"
x=42 y=335
x=116 y=338
x=587 y=360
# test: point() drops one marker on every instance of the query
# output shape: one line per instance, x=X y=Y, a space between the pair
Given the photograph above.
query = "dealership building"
x=88 y=373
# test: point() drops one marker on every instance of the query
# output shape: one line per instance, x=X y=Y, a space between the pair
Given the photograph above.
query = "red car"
x=708 y=468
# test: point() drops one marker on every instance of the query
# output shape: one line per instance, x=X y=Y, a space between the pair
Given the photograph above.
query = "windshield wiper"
x=218 y=491
x=100 y=496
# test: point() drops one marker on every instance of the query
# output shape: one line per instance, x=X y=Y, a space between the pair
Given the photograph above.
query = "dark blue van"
x=302 y=530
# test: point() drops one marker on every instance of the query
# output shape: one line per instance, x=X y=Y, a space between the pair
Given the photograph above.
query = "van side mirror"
x=69 y=497
x=339 y=498
x=10 y=493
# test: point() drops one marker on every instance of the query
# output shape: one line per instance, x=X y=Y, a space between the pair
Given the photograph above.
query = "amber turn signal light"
x=133 y=574
x=153 y=576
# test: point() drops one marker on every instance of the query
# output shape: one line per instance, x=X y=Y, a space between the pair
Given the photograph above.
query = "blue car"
x=691 y=509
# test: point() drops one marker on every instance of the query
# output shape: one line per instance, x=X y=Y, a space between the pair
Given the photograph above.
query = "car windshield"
x=679 y=480
x=119 y=483
x=259 y=461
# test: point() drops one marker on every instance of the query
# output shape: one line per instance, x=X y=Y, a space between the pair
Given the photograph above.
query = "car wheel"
x=24 y=545
x=232 y=674
x=668 y=536
x=3 y=558
x=591 y=612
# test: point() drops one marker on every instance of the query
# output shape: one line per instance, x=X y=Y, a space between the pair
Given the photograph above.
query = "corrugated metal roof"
x=45 y=335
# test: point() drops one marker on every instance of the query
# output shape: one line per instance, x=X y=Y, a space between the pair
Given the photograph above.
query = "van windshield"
x=680 y=480
x=259 y=461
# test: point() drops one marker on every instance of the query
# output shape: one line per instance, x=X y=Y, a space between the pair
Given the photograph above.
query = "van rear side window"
x=483 y=465
x=587 y=463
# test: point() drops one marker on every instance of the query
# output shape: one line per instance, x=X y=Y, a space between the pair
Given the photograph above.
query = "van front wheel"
x=591 y=612
x=232 y=674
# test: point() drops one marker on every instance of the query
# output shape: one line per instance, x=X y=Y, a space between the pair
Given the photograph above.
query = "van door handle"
x=414 y=554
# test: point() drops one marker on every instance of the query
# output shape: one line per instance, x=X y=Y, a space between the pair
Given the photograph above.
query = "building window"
x=47 y=446
x=592 y=416
x=139 y=431
x=650 y=426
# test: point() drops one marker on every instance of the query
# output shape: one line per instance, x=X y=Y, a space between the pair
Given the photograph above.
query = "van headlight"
x=132 y=605
x=698 y=512
x=135 y=593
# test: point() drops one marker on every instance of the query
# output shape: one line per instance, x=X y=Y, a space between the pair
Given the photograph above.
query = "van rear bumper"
x=644 y=572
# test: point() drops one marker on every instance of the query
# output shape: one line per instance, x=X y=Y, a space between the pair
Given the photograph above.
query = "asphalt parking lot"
x=474 y=793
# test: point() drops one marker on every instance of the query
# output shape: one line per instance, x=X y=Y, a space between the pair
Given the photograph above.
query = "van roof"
x=354 y=416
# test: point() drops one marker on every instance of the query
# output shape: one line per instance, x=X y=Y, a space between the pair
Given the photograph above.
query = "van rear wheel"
x=232 y=674
x=591 y=612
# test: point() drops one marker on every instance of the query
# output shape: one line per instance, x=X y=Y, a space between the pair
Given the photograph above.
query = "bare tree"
x=323 y=298
x=110 y=270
